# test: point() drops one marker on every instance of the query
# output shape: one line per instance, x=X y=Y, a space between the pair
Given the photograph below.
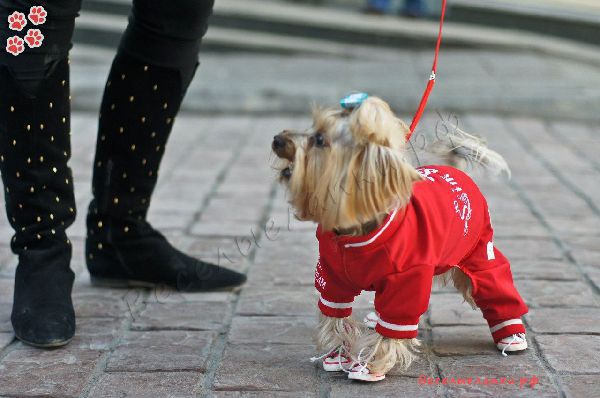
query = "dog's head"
x=348 y=168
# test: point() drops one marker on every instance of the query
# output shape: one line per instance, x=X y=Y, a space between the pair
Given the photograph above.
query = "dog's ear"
x=374 y=121
x=378 y=180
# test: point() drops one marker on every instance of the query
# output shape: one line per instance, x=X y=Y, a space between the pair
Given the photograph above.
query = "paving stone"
x=61 y=373
x=5 y=339
x=283 y=218
x=170 y=219
x=6 y=290
x=230 y=252
x=568 y=226
x=298 y=301
x=449 y=309
x=529 y=249
x=556 y=293
x=261 y=394
x=421 y=365
x=544 y=269
x=161 y=351
x=177 y=316
x=571 y=354
x=564 y=320
x=166 y=294
x=521 y=368
x=282 y=275
x=511 y=226
x=392 y=386
x=141 y=385
x=462 y=340
x=5 y=324
x=219 y=210
x=97 y=305
x=8 y=270
x=225 y=228
x=266 y=367
x=585 y=249
x=96 y=333
x=288 y=248
x=584 y=386
x=272 y=330
x=594 y=274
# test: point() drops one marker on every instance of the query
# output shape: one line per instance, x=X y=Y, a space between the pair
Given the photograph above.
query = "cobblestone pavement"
x=524 y=83
x=217 y=199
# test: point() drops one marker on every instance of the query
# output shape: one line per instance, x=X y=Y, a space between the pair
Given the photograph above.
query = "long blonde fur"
x=462 y=149
x=460 y=281
x=334 y=332
x=383 y=353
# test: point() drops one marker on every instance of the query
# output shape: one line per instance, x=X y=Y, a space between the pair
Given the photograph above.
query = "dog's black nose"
x=278 y=142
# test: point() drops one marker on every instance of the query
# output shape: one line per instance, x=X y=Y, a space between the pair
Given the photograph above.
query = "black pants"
x=160 y=32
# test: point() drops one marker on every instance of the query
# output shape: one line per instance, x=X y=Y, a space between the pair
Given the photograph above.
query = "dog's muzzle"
x=283 y=146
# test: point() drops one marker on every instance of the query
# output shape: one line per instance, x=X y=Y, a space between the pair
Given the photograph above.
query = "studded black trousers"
x=34 y=151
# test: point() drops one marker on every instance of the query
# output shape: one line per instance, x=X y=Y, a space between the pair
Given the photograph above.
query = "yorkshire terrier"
x=388 y=227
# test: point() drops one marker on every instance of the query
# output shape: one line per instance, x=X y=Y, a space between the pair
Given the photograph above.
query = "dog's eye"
x=319 y=139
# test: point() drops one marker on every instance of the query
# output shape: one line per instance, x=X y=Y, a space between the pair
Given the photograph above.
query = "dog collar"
x=353 y=100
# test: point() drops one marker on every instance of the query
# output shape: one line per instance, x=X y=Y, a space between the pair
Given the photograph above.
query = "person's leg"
x=34 y=151
x=414 y=8
x=379 y=6
x=155 y=63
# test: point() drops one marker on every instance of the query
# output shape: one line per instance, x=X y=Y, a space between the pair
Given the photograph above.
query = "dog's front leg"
x=333 y=333
x=380 y=354
x=334 y=337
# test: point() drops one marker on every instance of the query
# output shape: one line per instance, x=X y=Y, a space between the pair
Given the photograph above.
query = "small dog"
x=388 y=227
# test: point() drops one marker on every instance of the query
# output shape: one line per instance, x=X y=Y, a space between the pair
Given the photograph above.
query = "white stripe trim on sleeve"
x=368 y=242
x=331 y=304
x=505 y=324
x=398 y=328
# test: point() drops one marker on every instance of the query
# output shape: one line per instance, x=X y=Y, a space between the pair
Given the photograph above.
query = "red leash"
x=431 y=82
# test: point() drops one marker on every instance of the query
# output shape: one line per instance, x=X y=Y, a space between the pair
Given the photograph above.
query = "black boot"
x=122 y=249
x=34 y=150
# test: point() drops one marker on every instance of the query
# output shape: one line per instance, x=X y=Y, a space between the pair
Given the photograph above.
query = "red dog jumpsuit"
x=445 y=224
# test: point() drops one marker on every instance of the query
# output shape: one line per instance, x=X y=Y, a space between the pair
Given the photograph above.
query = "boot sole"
x=132 y=283
x=46 y=345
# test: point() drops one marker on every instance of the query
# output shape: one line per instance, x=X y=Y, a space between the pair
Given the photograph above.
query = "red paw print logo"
x=34 y=38
x=37 y=15
x=17 y=21
x=15 y=45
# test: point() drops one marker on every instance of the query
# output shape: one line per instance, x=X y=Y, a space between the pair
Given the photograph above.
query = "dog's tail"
x=463 y=150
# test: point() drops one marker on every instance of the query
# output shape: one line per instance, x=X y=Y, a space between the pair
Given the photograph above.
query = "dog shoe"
x=516 y=342
x=362 y=373
x=370 y=320
x=335 y=361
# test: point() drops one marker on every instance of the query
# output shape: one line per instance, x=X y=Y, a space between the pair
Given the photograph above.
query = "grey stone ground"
x=217 y=199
